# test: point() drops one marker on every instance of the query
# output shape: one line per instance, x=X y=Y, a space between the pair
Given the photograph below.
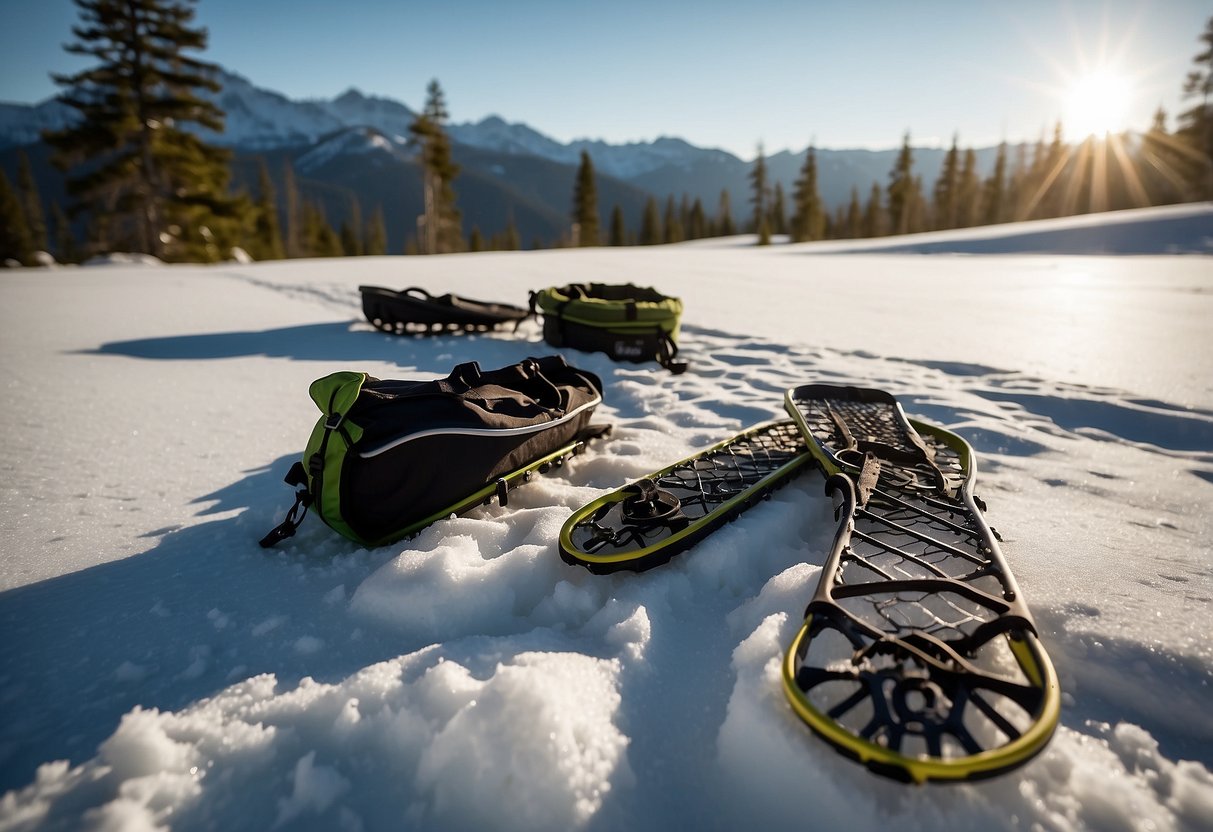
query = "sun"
x=1097 y=104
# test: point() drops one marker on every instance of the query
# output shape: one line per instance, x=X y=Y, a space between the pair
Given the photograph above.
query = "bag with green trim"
x=388 y=458
x=628 y=323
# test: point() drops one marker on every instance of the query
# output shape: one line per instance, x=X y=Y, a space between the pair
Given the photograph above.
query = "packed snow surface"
x=160 y=670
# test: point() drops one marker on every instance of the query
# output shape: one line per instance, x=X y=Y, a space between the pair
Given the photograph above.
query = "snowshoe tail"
x=415 y=311
x=918 y=656
x=647 y=522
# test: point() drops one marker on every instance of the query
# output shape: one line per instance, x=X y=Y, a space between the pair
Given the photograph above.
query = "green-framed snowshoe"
x=918 y=656
x=647 y=522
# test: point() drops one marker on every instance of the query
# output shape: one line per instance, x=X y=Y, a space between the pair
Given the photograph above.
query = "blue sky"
x=718 y=74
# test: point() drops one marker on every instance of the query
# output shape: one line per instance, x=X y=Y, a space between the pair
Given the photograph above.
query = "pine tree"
x=618 y=234
x=512 y=241
x=31 y=203
x=293 y=240
x=375 y=242
x=724 y=216
x=650 y=224
x=65 y=243
x=350 y=242
x=760 y=198
x=14 y=230
x=873 y=215
x=475 y=239
x=854 y=215
x=158 y=188
x=585 y=203
x=968 y=192
x=995 y=190
x=319 y=239
x=779 y=221
x=672 y=225
x=442 y=218
x=901 y=189
x=947 y=187
x=267 y=240
x=698 y=226
x=1048 y=192
x=808 y=221
x=1195 y=125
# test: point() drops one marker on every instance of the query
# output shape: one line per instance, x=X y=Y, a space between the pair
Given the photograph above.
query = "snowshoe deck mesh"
x=918 y=655
x=415 y=311
x=646 y=523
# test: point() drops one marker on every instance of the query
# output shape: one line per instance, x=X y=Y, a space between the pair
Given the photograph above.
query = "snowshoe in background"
x=388 y=458
x=628 y=323
x=644 y=524
x=918 y=656
x=415 y=311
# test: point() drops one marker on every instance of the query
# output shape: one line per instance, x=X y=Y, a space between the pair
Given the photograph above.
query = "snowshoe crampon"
x=644 y=524
x=918 y=656
x=415 y=311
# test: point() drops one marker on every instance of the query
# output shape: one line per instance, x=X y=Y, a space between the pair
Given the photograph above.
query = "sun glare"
x=1097 y=104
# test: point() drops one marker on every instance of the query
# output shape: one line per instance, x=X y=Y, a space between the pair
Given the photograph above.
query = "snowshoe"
x=918 y=656
x=415 y=311
x=644 y=524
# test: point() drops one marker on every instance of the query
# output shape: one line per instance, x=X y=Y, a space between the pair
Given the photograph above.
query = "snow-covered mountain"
x=23 y=123
x=260 y=119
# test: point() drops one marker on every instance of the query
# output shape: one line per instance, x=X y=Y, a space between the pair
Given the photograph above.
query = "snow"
x=159 y=670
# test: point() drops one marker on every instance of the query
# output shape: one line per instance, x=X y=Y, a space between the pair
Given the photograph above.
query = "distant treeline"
x=138 y=181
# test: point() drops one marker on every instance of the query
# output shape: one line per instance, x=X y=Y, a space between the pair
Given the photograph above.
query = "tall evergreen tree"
x=352 y=245
x=724 y=216
x=14 y=230
x=618 y=235
x=968 y=192
x=672 y=224
x=947 y=188
x=160 y=188
x=760 y=198
x=585 y=203
x=854 y=215
x=442 y=218
x=511 y=240
x=808 y=220
x=995 y=190
x=650 y=224
x=1195 y=125
x=873 y=214
x=319 y=238
x=901 y=189
x=698 y=227
x=350 y=240
x=375 y=241
x=779 y=219
x=65 y=243
x=267 y=240
x=31 y=203
x=293 y=238
x=475 y=239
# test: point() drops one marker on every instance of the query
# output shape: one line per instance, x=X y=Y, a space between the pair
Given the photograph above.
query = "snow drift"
x=159 y=670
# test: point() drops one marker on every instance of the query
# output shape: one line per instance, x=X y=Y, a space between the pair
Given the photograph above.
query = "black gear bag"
x=387 y=458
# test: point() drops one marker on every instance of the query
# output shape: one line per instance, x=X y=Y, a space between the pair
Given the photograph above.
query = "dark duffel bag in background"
x=387 y=458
